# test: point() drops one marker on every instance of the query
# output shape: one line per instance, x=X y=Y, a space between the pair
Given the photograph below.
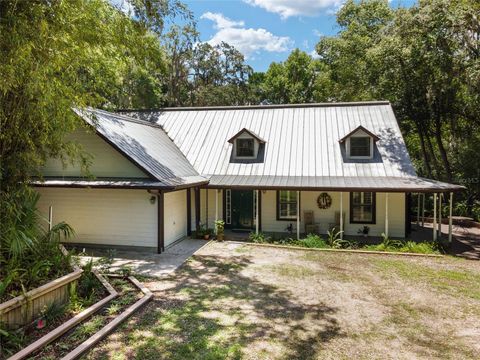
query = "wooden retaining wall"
x=24 y=309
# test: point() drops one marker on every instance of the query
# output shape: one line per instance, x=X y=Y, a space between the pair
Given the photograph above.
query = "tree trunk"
x=441 y=148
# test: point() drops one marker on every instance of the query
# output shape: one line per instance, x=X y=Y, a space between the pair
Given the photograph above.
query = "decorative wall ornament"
x=324 y=201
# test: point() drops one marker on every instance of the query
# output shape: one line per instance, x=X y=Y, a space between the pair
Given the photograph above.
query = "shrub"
x=259 y=238
x=311 y=241
x=29 y=254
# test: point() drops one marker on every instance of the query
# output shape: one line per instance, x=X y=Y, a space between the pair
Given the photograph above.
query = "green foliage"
x=312 y=241
x=29 y=254
x=297 y=80
x=219 y=226
x=404 y=246
x=11 y=341
x=53 y=311
x=259 y=238
x=334 y=240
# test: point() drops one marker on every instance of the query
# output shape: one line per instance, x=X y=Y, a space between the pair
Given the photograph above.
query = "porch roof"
x=117 y=183
x=333 y=183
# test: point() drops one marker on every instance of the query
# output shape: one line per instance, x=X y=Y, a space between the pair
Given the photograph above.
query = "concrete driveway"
x=146 y=263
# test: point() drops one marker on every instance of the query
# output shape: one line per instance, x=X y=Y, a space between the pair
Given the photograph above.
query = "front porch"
x=293 y=213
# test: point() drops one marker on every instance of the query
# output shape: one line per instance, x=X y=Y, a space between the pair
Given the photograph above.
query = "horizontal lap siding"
x=107 y=161
x=104 y=216
x=175 y=216
x=323 y=217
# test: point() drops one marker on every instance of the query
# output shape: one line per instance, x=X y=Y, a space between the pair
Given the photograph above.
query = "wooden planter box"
x=24 y=309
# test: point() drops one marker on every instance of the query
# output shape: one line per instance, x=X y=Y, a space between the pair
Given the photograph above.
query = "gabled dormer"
x=359 y=143
x=246 y=145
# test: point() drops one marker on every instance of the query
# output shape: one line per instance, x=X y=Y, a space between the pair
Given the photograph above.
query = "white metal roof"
x=145 y=144
x=301 y=140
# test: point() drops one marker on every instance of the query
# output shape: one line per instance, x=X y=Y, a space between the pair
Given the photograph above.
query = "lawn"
x=244 y=302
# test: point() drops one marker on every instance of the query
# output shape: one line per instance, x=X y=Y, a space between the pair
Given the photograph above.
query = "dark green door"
x=242 y=210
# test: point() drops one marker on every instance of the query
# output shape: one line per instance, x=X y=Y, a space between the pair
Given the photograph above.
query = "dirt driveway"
x=234 y=301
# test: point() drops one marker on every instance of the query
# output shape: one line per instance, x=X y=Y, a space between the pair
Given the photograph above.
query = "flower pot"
x=220 y=237
x=206 y=237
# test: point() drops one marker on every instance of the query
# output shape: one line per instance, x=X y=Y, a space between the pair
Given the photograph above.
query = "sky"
x=268 y=30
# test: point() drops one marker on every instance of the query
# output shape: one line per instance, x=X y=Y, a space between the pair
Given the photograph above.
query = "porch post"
x=298 y=215
x=256 y=213
x=418 y=209
x=440 y=215
x=206 y=207
x=216 y=208
x=423 y=209
x=50 y=217
x=434 y=224
x=386 y=214
x=450 y=219
x=341 y=215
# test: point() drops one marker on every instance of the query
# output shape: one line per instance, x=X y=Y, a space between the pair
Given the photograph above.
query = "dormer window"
x=360 y=146
x=359 y=143
x=245 y=147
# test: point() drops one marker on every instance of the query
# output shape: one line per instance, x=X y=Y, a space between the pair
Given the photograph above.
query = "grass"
x=268 y=303
x=454 y=282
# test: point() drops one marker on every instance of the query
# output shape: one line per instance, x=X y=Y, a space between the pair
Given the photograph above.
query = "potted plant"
x=219 y=229
x=200 y=232
x=364 y=231
x=208 y=233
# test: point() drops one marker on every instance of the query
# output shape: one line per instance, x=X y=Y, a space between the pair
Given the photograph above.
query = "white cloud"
x=221 y=22
x=246 y=40
x=314 y=54
x=288 y=8
x=317 y=33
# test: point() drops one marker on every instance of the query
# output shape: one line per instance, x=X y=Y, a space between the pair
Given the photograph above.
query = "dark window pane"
x=363 y=207
x=360 y=146
x=287 y=204
x=245 y=147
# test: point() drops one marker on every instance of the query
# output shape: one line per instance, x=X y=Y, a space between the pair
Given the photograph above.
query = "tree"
x=57 y=55
x=297 y=80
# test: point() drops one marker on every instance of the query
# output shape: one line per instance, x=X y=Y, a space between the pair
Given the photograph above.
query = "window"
x=360 y=146
x=286 y=205
x=362 y=207
x=245 y=147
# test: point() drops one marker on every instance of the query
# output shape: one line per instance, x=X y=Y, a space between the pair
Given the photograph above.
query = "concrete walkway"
x=146 y=263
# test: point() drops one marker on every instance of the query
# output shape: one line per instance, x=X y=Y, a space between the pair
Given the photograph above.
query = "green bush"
x=311 y=241
x=29 y=255
x=259 y=238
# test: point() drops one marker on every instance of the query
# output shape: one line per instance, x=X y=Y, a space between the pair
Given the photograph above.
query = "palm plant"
x=29 y=253
x=334 y=240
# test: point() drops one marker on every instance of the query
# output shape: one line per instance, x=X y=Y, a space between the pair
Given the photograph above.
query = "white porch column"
x=386 y=214
x=216 y=208
x=298 y=215
x=423 y=209
x=450 y=219
x=434 y=224
x=440 y=215
x=341 y=215
x=418 y=209
x=50 y=217
x=256 y=212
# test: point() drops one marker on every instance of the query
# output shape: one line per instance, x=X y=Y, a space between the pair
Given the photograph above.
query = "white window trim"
x=360 y=157
x=255 y=149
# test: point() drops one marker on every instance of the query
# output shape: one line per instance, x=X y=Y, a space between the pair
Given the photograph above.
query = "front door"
x=242 y=210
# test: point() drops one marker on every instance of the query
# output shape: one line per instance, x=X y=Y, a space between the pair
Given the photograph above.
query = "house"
x=157 y=175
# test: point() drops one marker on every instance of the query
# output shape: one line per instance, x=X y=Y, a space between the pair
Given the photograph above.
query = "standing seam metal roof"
x=145 y=144
x=302 y=148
